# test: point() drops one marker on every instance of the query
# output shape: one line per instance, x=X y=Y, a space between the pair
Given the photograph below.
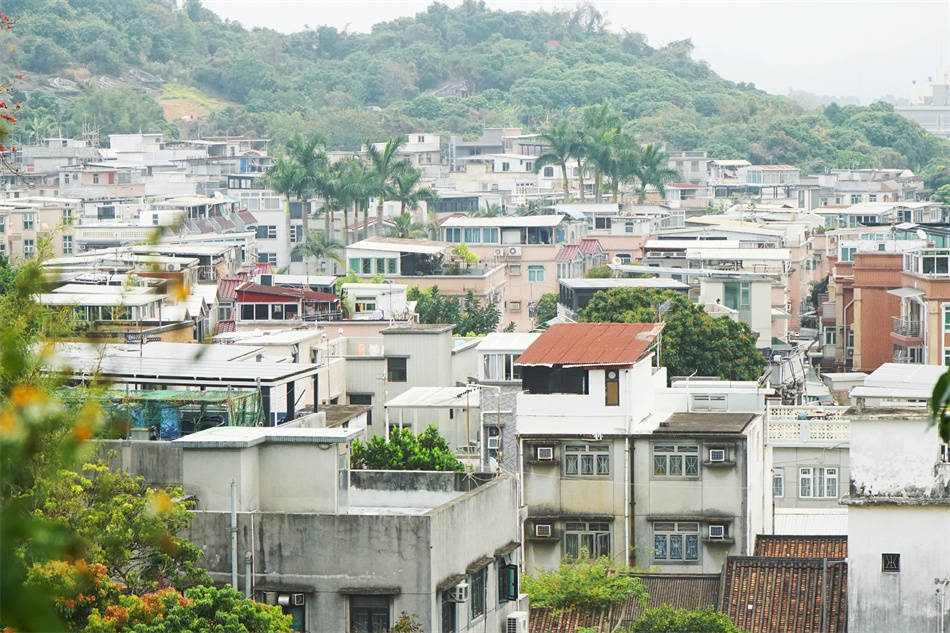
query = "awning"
x=905 y=293
x=504 y=550
x=370 y=591
x=480 y=562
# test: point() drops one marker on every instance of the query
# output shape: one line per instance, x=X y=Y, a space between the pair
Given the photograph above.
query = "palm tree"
x=600 y=125
x=285 y=177
x=563 y=142
x=490 y=210
x=317 y=246
x=407 y=228
x=407 y=189
x=312 y=160
x=654 y=170
x=356 y=186
x=326 y=183
x=384 y=165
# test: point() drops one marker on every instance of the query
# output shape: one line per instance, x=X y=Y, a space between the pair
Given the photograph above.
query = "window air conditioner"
x=543 y=530
x=499 y=252
x=717 y=531
x=460 y=592
x=545 y=453
x=514 y=251
x=717 y=455
x=493 y=443
x=517 y=622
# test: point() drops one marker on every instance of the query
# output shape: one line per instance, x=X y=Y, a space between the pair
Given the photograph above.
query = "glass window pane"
x=603 y=545
x=659 y=464
x=676 y=464
x=587 y=464
x=692 y=547
x=570 y=465
x=571 y=547
x=587 y=542
x=692 y=465
x=603 y=464
x=659 y=545
x=676 y=546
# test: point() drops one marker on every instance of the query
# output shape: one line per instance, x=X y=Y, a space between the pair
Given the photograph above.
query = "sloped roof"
x=223 y=222
x=225 y=325
x=680 y=591
x=794 y=546
x=227 y=286
x=567 y=252
x=289 y=293
x=785 y=595
x=552 y=620
x=204 y=226
x=591 y=344
x=246 y=217
x=590 y=245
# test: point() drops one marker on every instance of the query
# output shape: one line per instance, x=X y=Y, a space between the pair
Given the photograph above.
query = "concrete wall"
x=791 y=458
x=159 y=463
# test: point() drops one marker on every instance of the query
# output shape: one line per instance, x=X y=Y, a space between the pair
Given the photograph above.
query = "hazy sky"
x=864 y=48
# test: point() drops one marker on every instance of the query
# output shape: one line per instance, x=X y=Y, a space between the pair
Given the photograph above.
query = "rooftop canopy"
x=592 y=344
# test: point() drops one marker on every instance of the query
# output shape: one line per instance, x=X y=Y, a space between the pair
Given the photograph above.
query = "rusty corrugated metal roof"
x=590 y=245
x=591 y=344
x=794 y=546
x=567 y=252
x=226 y=287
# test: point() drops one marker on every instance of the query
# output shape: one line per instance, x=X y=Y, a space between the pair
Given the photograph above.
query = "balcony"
x=807 y=426
x=907 y=328
x=828 y=312
x=913 y=355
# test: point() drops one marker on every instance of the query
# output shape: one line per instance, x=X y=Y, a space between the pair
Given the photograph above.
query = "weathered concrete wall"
x=158 y=462
x=883 y=602
x=320 y=555
x=470 y=527
x=413 y=480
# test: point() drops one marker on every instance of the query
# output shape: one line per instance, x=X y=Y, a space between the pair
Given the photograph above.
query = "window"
x=355 y=264
x=267 y=258
x=514 y=269
x=587 y=459
x=778 y=482
x=67 y=245
x=855 y=198
x=365 y=304
x=396 y=369
x=500 y=367
x=514 y=306
x=628 y=227
x=369 y=614
x=363 y=398
x=594 y=538
x=391 y=266
x=154 y=219
x=505 y=167
x=671 y=460
x=296 y=233
x=29 y=248
x=105 y=212
x=847 y=254
x=831 y=336
x=3 y=224
x=380 y=266
x=453 y=235
x=29 y=221
x=367 y=266
x=675 y=542
x=549 y=172
x=817 y=483
x=891 y=562
x=95 y=179
x=536 y=273
x=477 y=582
x=507 y=581
x=709 y=402
x=473 y=235
x=67 y=216
x=612 y=388
x=448 y=613
x=267 y=232
x=872 y=197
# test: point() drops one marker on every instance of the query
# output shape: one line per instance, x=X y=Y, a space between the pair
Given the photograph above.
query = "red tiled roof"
x=223 y=222
x=226 y=287
x=225 y=325
x=246 y=217
x=204 y=226
x=262 y=268
x=591 y=344
x=793 y=546
x=590 y=245
x=785 y=595
x=453 y=215
x=280 y=291
x=552 y=620
x=567 y=252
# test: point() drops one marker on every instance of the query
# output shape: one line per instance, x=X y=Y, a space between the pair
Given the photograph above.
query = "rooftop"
x=591 y=344
x=248 y=436
x=506 y=221
x=287 y=293
x=794 y=546
x=436 y=398
x=632 y=282
x=399 y=245
x=507 y=341
x=418 y=328
x=339 y=414
x=704 y=423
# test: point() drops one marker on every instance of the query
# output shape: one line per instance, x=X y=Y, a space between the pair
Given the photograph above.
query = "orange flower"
x=82 y=433
x=23 y=395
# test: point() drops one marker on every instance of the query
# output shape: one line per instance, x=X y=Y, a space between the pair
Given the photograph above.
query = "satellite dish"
x=922 y=234
x=616 y=261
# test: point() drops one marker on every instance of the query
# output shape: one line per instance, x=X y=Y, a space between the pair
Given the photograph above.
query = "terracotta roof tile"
x=567 y=252
x=246 y=217
x=590 y=245
x=591 y=344
x=280 y=291
x=793 y=546
x=226 y=287
x=225 y=325
x=784 y=595
x=680 y=591
x=551 y=620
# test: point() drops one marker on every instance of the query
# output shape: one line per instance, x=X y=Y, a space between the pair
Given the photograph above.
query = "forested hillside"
x=516 y=68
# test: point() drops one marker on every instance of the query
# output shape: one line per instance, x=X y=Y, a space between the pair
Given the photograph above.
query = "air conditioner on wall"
x=717 y=455
x=517 y=622
x=543 y=530
x=460 y=592
x=514 y=251
x=493 y=443
x=545 y=453
x=499 y=252
x=717 y=531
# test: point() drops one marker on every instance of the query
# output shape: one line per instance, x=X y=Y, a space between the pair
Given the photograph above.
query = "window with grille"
x=675 y=460
x=817 y=482
x=891 y=562
x=778 y=482
x=675 y=542
x=588 y=460
x=591 y=538
x=478 y=581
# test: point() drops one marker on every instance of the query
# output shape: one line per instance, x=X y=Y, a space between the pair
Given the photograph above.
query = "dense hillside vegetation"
x=516 y=68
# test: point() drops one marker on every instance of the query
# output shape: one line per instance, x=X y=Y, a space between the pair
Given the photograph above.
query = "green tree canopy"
x=405 y=451
x=546 y=308
x=469 y=316
x=666 y=619
x=582 y=583
x=693 y=342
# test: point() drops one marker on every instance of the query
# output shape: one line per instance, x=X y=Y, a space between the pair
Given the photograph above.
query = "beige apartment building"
x=28 y=224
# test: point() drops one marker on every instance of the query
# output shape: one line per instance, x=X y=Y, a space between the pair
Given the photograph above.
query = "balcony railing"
x=906 y=327
x=807 y=426
x=913 y=355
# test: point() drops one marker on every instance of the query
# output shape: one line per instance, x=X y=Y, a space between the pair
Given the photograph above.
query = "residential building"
x=294 y=484
x=691 y=165
x=28 y=224
x=586 y=386
x=898 y=510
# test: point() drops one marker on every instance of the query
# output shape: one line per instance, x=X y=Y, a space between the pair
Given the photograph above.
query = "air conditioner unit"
x=460 y=592
x=717 y=455
x=499 y=252
x=543 y=530
x=514 y=251
x=297 y=599
x=546 y=453
x=493 y=443
x=517 y=622
x=717 y=531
